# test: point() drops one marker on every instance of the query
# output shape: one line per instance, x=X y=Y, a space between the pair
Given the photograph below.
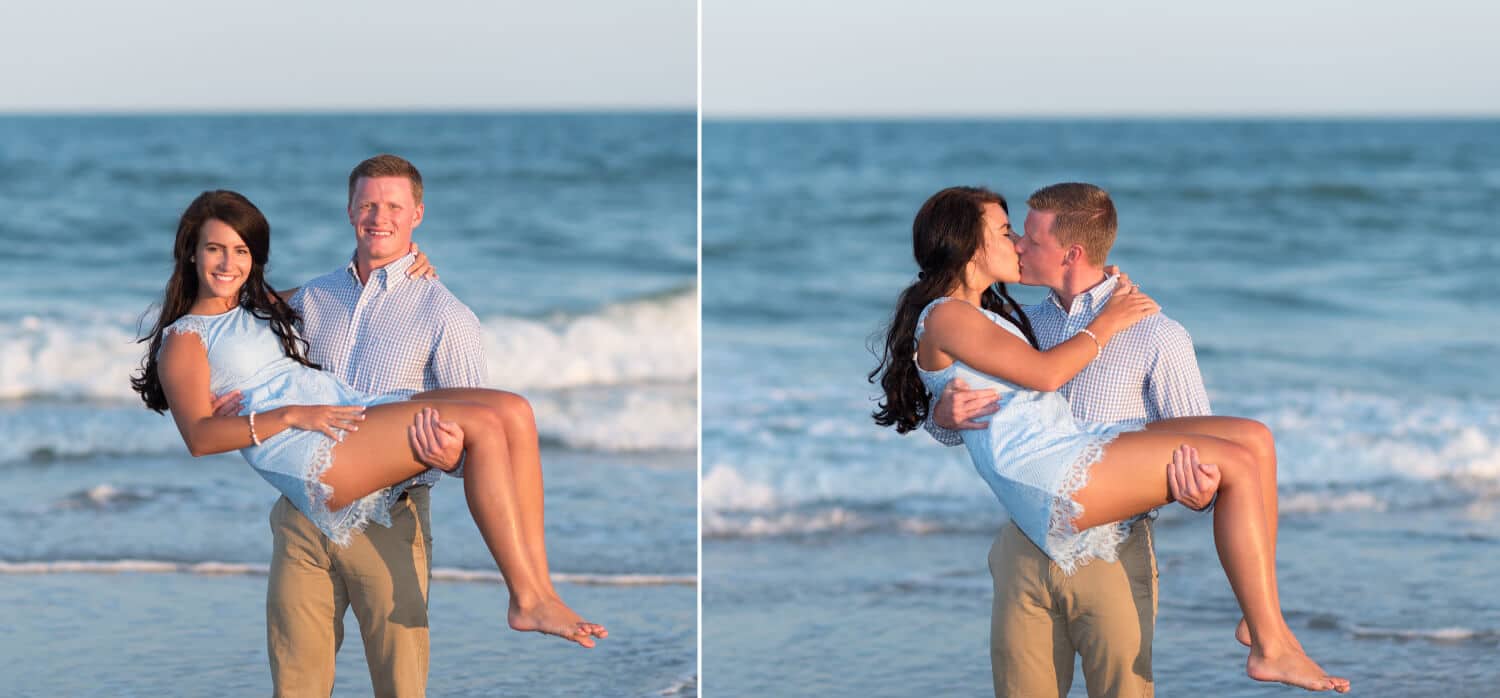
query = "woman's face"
x=997 y=257
x=222 y=260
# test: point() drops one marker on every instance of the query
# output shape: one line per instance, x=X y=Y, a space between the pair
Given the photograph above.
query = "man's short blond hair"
x=1085 y=216
x=387 y=165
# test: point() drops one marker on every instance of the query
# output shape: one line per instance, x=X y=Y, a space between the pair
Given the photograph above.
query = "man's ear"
x=1074 y=255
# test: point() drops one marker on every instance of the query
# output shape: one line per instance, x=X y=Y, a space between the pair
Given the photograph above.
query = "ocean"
x=129 y=568
x=1337 y=278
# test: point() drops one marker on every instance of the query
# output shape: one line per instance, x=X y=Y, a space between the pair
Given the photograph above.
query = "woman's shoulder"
x=949 y=309
x=927 y=313
x=173 y=335
x=199 y=326
x=965 y=318
x=188 y=324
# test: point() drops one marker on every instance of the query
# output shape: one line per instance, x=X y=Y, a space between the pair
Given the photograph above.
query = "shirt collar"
x=1089 y=301
x=388 y=275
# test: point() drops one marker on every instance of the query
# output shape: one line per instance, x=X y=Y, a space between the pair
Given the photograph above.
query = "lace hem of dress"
x=1067 y=547
x=341 y=526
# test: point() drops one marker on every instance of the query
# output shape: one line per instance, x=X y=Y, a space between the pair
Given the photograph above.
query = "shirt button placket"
x=361 y=308
x=338 y=340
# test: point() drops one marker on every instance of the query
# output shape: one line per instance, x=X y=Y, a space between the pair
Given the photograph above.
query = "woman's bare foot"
x=553 y=617
x=1294 y=669
x=593 y=629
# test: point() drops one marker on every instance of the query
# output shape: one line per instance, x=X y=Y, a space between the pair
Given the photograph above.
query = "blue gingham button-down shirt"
x=1146 y=373
x=391 y=334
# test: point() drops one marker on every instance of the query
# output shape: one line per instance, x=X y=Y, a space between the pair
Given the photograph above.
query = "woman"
x=1069 y=486
x=331 y=450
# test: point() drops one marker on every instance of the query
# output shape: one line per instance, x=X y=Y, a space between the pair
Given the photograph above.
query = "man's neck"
x=1077 y=283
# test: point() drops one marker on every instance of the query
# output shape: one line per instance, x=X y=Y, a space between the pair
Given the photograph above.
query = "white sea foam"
x=1318 y=502
x=107 y=496
x=725 y=489
x=643 y=340
x=635 y=418
x=838 y=520
x=835 y=519
x=687 y=685
x=639 y=341
x=770 y=481
x=128 y=566
x=110 y=497
x=40 y=357
x=218 y=568
x=72 y=397
x=1328 y=436
x=102 y=494
x=612 y=419
x=1451 y=634
x=813 y=464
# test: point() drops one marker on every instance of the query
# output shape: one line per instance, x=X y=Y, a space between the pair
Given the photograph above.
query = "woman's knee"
x=484 y=420
x=1254 y=435
x=515 y=408
x=1265 y=448
x=1235 y=461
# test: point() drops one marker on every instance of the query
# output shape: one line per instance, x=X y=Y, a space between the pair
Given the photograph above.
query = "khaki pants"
x=1105 y=612
x=383 y=574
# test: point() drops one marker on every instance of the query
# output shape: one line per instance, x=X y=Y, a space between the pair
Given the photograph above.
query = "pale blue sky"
x=1070 y=57
x=153 y=55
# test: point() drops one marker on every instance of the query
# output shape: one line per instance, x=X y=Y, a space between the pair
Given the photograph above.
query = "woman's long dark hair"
x=238 y=213
x=946 y=233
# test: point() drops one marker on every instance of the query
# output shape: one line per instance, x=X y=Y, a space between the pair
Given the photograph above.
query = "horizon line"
x=1101 y=116
x=341 y=110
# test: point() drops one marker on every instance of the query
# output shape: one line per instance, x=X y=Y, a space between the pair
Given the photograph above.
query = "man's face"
x=1041 y=254
x=383 y=213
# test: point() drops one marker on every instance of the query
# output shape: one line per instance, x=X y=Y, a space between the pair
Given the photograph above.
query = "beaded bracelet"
x=1098 y=348
x=253 y=438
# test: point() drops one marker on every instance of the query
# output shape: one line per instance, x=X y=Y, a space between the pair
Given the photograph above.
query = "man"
x=380 y=331
x=1106 y=611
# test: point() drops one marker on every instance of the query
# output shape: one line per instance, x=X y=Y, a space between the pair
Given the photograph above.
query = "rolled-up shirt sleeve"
x=942 y=435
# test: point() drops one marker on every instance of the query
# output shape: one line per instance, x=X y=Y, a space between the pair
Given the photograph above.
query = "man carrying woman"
x=1106 y=611
x=338 y=465
x=1070 y=487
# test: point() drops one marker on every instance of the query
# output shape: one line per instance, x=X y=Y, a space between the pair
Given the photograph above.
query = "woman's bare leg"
x=1128 y=480
x=380 y=455
x=525 y=462
x=1254 y=436
x=522 y=443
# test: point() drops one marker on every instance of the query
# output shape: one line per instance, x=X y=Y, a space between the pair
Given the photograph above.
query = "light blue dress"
x=245 y=355
x=1034 y=455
